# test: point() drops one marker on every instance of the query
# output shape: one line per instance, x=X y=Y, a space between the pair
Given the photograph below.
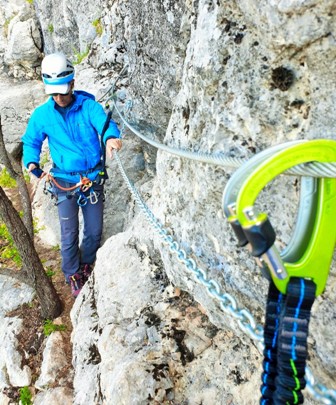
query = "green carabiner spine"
x=315 y=261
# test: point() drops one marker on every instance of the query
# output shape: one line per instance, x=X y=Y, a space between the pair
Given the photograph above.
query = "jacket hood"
x=83 y=94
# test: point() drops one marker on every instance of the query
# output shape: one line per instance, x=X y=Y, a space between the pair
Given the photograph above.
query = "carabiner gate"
x=82 y=199
x=312 y=255
x=93 y=196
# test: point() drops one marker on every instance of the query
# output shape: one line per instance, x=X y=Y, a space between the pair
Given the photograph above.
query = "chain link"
x=227 y=302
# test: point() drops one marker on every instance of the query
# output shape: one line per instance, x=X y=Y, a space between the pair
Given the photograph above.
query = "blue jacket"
x=74 y=143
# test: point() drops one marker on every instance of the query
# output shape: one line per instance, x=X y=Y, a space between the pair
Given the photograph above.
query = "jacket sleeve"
x=98 y=119
x=32 y=141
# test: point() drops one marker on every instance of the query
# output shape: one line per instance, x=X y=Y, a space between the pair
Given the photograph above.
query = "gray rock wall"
x=234 y=77
x=233 y=98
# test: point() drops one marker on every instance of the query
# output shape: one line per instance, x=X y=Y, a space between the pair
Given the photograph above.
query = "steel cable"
x=312 y=169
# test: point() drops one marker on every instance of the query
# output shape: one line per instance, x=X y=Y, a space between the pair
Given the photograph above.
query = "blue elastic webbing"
x=285 y=336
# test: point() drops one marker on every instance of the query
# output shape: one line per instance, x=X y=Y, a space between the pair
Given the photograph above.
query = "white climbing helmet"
x=57 y=73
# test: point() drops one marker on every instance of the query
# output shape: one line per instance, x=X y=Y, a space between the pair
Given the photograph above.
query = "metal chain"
x=228 y=303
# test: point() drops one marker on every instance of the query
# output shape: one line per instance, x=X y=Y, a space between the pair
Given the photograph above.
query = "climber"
x=71 y=121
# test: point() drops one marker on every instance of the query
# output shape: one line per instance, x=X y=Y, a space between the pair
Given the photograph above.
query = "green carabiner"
x=233 y=187
x=314 y=261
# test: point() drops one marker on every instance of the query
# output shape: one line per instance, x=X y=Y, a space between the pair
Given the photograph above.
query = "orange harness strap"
x=84 y=184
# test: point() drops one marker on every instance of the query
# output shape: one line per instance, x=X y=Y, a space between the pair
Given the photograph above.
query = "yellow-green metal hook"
x=314 y=262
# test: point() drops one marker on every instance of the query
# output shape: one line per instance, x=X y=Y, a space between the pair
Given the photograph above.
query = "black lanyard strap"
x=271 y=330
x=285 y=337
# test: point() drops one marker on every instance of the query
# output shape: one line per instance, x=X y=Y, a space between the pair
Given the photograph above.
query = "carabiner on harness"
x=86 y=184
x=48 y=189
x=93 y=196
x=82 y=199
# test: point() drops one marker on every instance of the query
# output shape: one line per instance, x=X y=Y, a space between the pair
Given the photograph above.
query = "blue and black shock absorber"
x=271 y=332
x=292 y=341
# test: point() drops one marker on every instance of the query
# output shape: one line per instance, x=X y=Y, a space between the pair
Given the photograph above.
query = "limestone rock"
x=233 y=78
x=4 y=399
x=54 y=360
x=56 y=396
x=23 y=50
x=24 y=46
x=16 y=104
x=12 y=295
x=164 y=348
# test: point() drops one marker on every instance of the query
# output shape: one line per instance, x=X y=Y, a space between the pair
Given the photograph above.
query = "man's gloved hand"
x=35 y=169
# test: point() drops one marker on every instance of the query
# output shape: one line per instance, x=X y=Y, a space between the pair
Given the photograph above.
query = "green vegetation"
x=8 y=250
x=98 y=26
x=44 y=159
x=6 y=24
x=51 y=28
x=25 y=396
x=26 y=176
x=30 y=1
x=6 y=180
x=49 y=327
x=36 y=226
x=79 y=57
x=49 y=272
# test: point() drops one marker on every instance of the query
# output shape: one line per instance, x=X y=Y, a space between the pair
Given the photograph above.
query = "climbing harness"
x=83 y=190
x=84 y=184
x=300 y=274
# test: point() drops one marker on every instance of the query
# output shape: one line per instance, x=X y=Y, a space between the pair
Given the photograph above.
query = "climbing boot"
x=86 y=271
x=76 y=284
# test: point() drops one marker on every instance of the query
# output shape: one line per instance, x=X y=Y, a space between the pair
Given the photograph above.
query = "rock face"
x=13 y=294
x=22 y=39
x=233 y=78
x=164 y=347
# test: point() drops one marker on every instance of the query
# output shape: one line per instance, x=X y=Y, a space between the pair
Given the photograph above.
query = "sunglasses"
x=59 y=94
